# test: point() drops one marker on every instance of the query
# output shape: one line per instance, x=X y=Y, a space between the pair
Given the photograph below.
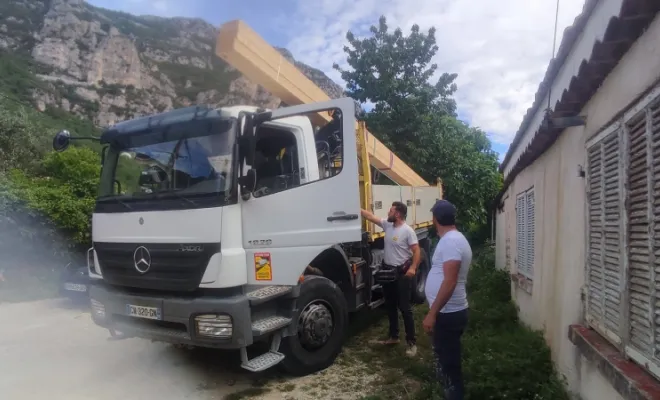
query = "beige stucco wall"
x=559 y=268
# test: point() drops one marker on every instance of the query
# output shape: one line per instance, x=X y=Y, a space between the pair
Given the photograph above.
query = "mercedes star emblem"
x=142 y=259
x=141 y=221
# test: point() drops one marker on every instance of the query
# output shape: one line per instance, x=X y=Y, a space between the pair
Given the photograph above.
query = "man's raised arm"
x=371 y=217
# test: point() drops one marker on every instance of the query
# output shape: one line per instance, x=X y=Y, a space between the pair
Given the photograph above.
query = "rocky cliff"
x=109 y=65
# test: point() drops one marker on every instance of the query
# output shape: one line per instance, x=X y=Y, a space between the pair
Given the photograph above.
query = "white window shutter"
x=605 y=234
x=521 y=242
x=641 y=181
x=529 y=231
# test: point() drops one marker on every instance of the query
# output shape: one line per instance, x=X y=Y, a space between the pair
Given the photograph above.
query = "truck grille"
x=173 y=267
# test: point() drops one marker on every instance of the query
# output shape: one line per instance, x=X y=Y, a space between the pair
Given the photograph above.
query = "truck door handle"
x=346 y=217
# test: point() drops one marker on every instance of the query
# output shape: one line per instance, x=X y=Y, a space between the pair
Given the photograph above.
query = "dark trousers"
x=447 y=334
x=398 y=296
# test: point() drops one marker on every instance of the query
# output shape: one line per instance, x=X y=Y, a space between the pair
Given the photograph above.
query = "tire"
x=418 y=294
x=301 y=356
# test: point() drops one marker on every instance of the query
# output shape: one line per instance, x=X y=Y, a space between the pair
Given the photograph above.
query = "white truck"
x=223 y=227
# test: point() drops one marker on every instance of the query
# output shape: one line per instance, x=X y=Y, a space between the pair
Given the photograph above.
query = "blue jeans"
x=447 y=334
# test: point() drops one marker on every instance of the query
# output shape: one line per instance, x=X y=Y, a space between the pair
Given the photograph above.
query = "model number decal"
x=261 y=242
x=191 y=248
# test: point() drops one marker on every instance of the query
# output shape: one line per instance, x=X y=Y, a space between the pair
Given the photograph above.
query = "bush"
x=503 y=359
x=63 y=189
x=19 y=146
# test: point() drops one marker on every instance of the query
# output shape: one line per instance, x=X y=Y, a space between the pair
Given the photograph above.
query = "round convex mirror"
x=61 y=140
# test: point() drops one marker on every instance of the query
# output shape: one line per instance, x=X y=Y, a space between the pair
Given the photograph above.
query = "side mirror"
x=62 y=140
x=248 y=183
x=248 y=125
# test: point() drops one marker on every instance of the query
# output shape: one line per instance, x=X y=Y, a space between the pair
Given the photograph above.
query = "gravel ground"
x=50 y=349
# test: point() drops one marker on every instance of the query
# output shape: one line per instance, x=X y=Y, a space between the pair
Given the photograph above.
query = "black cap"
x=444 y=212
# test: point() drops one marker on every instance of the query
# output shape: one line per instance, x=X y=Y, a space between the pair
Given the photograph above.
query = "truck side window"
x=328 y=149
x=277 y=153
x=276 y=161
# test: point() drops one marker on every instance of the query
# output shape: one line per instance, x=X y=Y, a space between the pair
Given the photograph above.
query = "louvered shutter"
x=605 y=235
x=521 y=242
x=529 y=232
x=644 y=200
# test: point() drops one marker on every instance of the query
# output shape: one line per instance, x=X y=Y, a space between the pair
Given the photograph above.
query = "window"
x=604 y=234
x=623 y=229
x=281 y=155
x=525 y=233
x=183 y=165
x=276 y=161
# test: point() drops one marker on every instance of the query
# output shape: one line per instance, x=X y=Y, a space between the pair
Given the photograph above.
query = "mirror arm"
x=92 y=138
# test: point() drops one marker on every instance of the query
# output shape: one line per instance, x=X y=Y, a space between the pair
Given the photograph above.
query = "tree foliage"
x=63 y=188
x=59 y=186
x=415 y=115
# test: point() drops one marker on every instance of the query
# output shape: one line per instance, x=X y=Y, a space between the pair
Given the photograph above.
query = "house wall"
x=560 y=219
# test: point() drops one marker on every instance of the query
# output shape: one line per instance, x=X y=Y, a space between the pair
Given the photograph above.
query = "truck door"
x=295 y=213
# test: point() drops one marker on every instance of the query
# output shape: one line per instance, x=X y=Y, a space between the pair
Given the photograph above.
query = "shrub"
x=63 y=189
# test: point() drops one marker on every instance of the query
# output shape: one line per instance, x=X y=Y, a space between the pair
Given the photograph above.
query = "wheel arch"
x=333 y=264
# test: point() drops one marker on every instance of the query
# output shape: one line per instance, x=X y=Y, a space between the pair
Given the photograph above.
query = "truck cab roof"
x=197 y=112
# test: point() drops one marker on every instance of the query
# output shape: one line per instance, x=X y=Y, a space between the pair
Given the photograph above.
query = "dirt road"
x=51 y=350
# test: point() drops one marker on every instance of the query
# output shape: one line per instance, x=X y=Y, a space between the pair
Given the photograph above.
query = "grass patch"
x=502 y=359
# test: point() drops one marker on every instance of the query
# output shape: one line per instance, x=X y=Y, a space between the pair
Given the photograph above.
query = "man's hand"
x=370 y=217
x=429 y=322
x=415 y=260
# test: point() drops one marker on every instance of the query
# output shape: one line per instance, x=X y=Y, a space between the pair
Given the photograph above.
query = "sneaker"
x=411 y=351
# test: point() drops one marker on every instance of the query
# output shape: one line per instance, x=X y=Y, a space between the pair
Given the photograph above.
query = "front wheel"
x=322 y=322
x=419 y=295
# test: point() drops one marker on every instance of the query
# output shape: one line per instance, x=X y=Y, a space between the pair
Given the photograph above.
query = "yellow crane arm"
x=250 y=54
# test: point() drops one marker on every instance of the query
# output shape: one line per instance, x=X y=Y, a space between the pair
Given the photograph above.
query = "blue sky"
x=500 y=50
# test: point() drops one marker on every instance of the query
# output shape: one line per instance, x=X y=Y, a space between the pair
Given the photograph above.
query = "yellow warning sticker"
x=262 y=267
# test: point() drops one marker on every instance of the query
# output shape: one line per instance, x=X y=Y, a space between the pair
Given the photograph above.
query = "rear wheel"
x=419 y=295
x=322 y=321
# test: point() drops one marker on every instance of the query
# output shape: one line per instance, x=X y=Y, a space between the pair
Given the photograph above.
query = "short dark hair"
x=444 y=213
x=401 y=208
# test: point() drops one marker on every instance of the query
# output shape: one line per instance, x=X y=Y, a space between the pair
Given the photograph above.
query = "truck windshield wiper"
x=178 y=195
x=116 y=200
x=123 y=204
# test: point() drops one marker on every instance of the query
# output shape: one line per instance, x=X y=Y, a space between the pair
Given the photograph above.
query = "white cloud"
x=500 y=49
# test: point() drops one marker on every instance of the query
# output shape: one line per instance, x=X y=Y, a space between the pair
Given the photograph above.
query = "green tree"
x=415 y=115
x=63 y=189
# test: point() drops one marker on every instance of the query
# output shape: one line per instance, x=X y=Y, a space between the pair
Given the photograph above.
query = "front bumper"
x=177 y=317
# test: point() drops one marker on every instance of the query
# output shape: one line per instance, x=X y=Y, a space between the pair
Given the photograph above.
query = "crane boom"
x=249 y=53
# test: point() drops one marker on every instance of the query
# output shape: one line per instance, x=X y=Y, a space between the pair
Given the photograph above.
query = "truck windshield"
x=187 y=162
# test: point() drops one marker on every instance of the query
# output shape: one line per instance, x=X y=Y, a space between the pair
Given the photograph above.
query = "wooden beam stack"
x=250 y=54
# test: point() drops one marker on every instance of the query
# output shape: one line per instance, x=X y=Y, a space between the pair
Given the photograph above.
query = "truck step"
x=267 y=293
x=263 y=361
x=376 y=303
x=269 y=324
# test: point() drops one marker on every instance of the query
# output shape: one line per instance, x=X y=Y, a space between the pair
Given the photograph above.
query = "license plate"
x=75 y=287
x=143 y=312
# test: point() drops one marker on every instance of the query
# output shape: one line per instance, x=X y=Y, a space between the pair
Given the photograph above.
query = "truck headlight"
x=214 y=325
x=98 y=309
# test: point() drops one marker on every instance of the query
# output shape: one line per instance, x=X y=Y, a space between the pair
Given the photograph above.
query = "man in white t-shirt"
x=400 y=246
x=445 y=292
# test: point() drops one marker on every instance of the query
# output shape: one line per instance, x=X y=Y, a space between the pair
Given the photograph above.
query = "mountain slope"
x=109 y=65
